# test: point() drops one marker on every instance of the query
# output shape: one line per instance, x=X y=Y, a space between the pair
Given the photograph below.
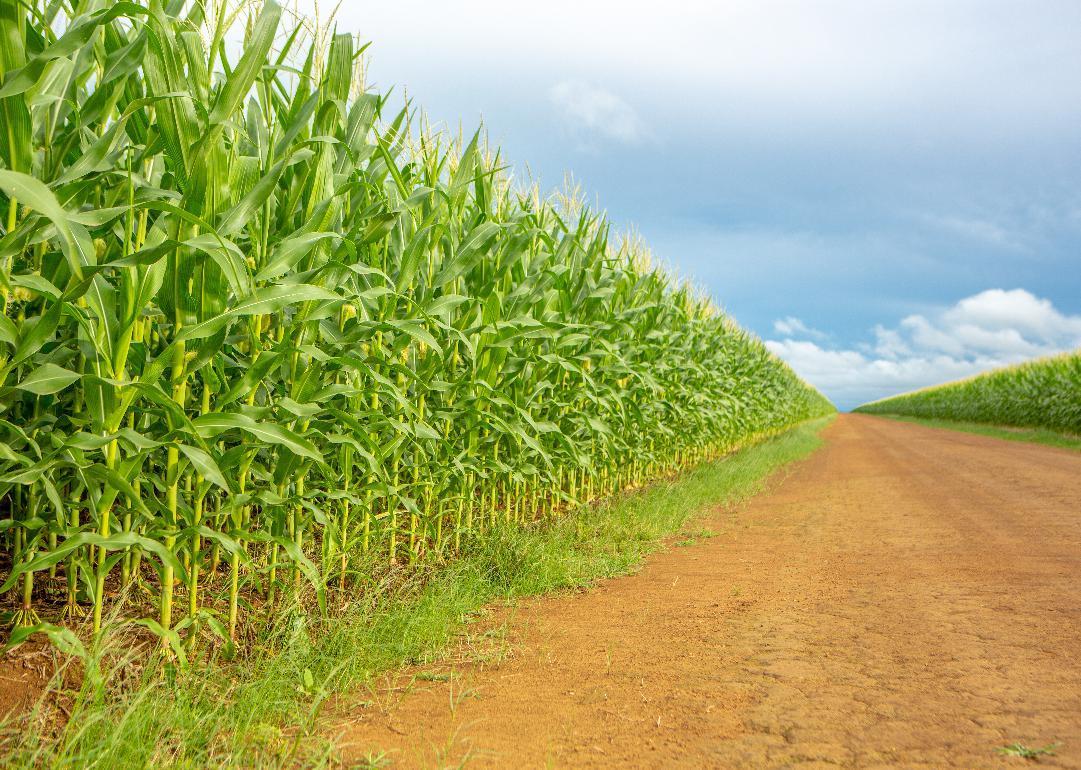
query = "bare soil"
x=906 y=597
x=23 y=677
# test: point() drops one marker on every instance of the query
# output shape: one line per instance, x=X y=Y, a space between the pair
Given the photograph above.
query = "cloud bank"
x=986 y=330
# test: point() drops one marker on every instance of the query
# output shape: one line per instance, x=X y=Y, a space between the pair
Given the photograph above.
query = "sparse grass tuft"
x=1021 y=750
x=690 y=538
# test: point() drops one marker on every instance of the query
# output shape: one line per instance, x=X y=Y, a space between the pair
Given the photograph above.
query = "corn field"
x=1043 y=393
x=256 y=326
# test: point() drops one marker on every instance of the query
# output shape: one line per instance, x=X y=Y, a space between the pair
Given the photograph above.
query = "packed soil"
x=905 y=597
x=23 y=677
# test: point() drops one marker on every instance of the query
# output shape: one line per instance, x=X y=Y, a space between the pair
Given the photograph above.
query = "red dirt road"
x=906 y=597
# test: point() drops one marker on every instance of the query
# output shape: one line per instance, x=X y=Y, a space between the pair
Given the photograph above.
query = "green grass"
x=1029 y=435
x=264 y=709
x=1027 y=752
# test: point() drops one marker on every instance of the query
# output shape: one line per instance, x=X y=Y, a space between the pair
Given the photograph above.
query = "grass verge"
x=1030 y=435
x=262 y=711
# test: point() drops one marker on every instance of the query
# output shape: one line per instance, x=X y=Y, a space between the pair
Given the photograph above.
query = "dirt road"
x=907 y=597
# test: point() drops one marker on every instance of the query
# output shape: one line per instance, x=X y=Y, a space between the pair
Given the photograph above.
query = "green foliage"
x=1045 y=393
x=263 y=709
x=256 y=333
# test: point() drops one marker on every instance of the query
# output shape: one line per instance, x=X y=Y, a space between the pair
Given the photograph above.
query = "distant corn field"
x=1045 y=393
x=254 y=328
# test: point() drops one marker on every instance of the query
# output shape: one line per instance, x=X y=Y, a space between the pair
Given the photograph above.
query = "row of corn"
x=1043 y=393
x=255 y=329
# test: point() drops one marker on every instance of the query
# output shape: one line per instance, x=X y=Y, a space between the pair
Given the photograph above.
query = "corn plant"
x=259 y=329
x=1043 y=393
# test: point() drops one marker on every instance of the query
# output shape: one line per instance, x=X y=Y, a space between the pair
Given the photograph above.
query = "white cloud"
x=792 y=327
x=849 y=377
x=889 y=343
x=597 y=112
x=1016 y=310
x=990 y=329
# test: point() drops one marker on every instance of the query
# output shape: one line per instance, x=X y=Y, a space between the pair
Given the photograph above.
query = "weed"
x=1021 y=750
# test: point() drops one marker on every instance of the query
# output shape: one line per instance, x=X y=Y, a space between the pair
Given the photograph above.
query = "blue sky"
x=888 y=193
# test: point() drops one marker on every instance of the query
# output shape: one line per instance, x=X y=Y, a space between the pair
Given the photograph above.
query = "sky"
x=888 y=192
